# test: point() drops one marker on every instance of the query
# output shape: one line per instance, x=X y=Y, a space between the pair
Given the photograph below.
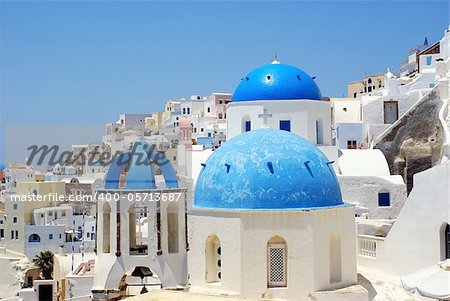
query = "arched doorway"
x=138 y=229
x=276 y=262
x=213 y=254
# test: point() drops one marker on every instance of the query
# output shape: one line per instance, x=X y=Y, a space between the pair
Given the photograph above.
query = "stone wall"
x=414 y=142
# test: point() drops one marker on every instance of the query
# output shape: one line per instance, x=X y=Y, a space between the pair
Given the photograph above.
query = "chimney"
x=62 y=251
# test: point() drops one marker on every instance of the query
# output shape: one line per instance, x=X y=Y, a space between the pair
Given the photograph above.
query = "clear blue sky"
x=87 y=62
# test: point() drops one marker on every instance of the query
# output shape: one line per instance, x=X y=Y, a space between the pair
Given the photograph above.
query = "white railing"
x=367 y=245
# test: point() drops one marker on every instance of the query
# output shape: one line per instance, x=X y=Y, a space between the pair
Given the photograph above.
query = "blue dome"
x=277 y=82
x=138 y=163
x=267 y=169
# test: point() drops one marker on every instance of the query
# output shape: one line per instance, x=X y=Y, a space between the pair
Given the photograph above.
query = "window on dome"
x=277 y=262
x=285 y=125
x=384 y=199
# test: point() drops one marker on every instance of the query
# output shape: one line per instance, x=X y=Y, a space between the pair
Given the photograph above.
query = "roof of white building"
x=367 y=162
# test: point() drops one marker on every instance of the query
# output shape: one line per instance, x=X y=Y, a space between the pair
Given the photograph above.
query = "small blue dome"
x=138 y=163
x=277 y=82
x=267 y=169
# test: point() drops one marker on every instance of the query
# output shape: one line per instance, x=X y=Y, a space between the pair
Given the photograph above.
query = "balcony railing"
x=368 y=245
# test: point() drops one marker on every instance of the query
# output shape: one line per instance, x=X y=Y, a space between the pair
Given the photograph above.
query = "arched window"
x=106 y=228
x=335 y=259
x=445 y=241
x=276 y=262
x=213 y=260
x=138 y=229
x=34 y=238
x=172 y=228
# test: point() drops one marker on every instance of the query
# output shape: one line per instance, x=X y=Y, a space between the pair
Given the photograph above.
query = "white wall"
x=363 y=191
x=415 y=240
x=303 y=115
x=244 y=235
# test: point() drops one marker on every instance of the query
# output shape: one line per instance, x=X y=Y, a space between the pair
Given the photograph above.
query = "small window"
x=15 y=206
x=277 y=262
x=285 y=125
x=208 y=110
x=384 y=199
x=189 y=110
x=248 y=126
x=431 y=85
x=351 y=144
x=355 y=94
x=2 y=233
x=14 y=220
x=319 y=132
x=34 y=238
x=63 y=213
x=429 y=60
x=50 y=236
x=60 y=236
x=184 y=110
x=220 y=115
x=30 y=280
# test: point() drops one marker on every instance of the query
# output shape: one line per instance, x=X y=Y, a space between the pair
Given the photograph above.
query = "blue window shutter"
x=248 y=126
x=384 y=199
x=285 y=125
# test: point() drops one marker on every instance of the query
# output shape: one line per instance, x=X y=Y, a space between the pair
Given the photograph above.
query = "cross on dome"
x=275 y=60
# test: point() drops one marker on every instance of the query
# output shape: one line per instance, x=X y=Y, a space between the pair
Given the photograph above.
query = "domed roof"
x=277 y=82
x=267 y=169
x=138 y=163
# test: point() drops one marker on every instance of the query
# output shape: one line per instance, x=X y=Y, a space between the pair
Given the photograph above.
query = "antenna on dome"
x=275 y=60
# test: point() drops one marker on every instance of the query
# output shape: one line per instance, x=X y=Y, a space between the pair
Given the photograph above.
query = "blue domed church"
x=284 y=97
x=268 y=219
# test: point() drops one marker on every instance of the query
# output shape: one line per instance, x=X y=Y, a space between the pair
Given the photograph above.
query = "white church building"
x=268 y=220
